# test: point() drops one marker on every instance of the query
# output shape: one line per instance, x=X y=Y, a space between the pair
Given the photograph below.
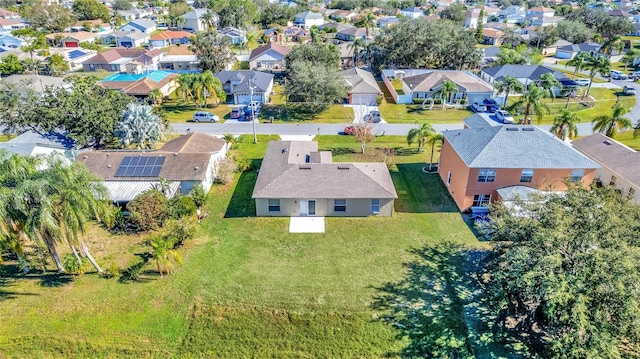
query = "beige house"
x=296 y=180
x=619 y=163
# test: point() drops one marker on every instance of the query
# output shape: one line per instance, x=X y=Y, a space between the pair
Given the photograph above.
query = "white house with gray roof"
x=238 y=84
x=296 y=179
x=475 y=162
x=308 y=18
x=363 y=88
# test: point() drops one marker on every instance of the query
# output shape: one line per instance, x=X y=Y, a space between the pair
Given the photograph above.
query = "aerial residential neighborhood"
x=319 y=179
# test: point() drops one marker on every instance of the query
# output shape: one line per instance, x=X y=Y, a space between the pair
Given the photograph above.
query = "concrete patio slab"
x=306 y=225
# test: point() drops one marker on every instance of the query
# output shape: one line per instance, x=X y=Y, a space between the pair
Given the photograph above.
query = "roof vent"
x=85 y=157
x=343 y=167
x=512 y=129
x=109 y=166
x=530 y=129
x=607 y=143
x=196 y=168
x=108 y=154
x=175 y=153
x=304 y=167
x=284 y=150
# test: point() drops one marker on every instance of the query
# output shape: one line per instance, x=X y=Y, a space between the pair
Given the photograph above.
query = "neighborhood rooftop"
x=295 y=169
x=613 y=155
x=514 y=147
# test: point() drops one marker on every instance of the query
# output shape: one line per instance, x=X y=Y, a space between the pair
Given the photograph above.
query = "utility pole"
x=253 y=120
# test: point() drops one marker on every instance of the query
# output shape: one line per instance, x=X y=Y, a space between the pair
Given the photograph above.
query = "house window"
x=274 y=205
x=113 y=67
x=339 y=205
x=459 y=95
x=258 y=64
x=449 y=178
x=613 y=181
x=576 y=175
x=92 y=67
x=526 y=176
x=375 y=206
x=481 y=200
x=487 y=175
x=420 y=94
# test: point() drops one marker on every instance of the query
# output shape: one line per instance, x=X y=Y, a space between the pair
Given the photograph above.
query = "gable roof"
x=295 y=169
x=171 y=34
x=360 y=81
x=135 y=35
x=118 y=53
x=353 y=31
x=514 y=147
x=8 y=22
x=80 y=36
x=585 y=46
x=188 y=163
x=138 y=84
x=309 y=15
x=430 y=81
x=4 y=13
x=194 y=14
x=260 y=80
x=620 y=159
x=282 y=50
x=140 y=24
x=531 y=72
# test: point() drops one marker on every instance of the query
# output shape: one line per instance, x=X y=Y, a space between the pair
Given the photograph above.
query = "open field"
x=248 y=288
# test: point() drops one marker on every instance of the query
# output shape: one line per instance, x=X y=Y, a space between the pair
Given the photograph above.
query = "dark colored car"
x=491 y=104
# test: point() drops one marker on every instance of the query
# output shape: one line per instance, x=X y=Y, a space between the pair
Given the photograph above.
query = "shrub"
x=180 y=230
x=245 y=165
x=198 y=195
x=226 y=170
x=73 y=264
x=148 y=210
x=111 y=271
x=181 y=206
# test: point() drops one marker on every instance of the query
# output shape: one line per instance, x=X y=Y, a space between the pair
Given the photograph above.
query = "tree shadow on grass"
x=241 y=203
x=11 y=271
x=420 y=192
x=441 y=308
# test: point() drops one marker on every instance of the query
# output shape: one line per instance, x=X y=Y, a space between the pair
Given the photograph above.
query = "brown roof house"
x=124 y=60
x=269 y=57
x=185 y=161
x=420 y=84
x=620 y=165
x=480 y=162
x=141 y=85
x=296 y=180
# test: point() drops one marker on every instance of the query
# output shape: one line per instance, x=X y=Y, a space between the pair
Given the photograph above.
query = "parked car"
x=478 y=107
x=491 y=104
x=351 y=131
x=205 y=116
x=372 y=117
x=582 y=82
x=629 y=90
x=504 y=116
x=617 y=75
x=236 y=113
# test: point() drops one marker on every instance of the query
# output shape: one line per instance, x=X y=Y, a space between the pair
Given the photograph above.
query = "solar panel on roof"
x=140 y=166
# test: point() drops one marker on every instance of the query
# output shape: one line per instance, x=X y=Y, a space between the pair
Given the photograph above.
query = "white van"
x=618 y=75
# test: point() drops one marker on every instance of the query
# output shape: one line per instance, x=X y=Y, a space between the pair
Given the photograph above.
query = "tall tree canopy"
x=236 y=13
x=90 y=10
x=426 y=44
x=212 y=51
x=53 y=18
x=317 y=53
x=316 y=84
x=566 y=273
x=599 y=21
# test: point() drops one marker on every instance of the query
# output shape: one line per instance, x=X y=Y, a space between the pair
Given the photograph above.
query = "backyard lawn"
x=248 y=288
x=628 y=139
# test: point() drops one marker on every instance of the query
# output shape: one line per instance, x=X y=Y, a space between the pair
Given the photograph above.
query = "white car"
x=478 y=107
x=582 y=82
x=504 y=116
x=205 y=116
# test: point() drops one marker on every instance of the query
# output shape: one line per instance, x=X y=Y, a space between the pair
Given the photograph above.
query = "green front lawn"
x=394 y=113
x=181 y=112
x=628 y=139
x=248 y=288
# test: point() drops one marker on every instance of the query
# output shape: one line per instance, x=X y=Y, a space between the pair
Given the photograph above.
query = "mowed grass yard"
x=247 y=288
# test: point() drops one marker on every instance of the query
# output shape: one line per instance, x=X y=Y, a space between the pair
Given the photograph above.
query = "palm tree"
x=140 y=126
x=446 y=89
x=185 y=86
x=532 y=103
x=548 y=82
x=610 y=44
x=155 y=96
x=164 y=254
x=420 y=135
x=357 y=45
x=578 y=62
x=611 y=125
x=209 y=20
x=432 y=139
x=229 y=140
x=507 y=85
x=565 y=125
x=212 y=87
x=595 y=65
x=367 y=21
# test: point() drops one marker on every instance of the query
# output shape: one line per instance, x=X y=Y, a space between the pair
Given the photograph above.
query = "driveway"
x=359 y=111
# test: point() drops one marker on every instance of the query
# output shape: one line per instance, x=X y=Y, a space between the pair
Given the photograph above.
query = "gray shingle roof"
x=286 y=173
x=514 y=147
x=360 y=81
x=620 y=159
x=307 y=15
x=585 y=46
x=259 y=80
x=477 y=120
x=531 y=72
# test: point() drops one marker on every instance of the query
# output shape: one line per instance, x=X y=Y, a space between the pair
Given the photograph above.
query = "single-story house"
x=34 y=144
x=179 y=58
x=170 y=37
x=134 y=14
x=8 y=25
x=363 y=88
x=526 y=74
x=475 y=162
x=553 y=48
x=307 y=19
x=8 y=14
x=128 y=39
x=570 y=51
x=235 y=36
x=618 y=163
x=412 y=12
x=296 y=180
x=7 y=40
x=69 y=39
x=141 y=84
x=421 y=84
x=351 y=34
x=185 y=162
x=76 y=57
x=122 y=59
x=94 y=26
x=269 y=57
x=287 y=34
x=240 y=85
x=492 y=36
x=387 y=21
x=146 y=26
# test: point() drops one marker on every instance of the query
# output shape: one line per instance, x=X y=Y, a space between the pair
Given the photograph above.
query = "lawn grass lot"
x=628 y=139
x=247 y=288
x=181 y=112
